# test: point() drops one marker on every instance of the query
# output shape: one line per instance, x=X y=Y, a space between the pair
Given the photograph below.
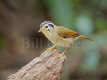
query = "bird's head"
x=47 y=26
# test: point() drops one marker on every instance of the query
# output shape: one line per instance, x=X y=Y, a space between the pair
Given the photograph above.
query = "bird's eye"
x=46 y=26
x=51 y=25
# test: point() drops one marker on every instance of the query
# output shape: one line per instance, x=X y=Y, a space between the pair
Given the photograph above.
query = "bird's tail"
x=83 y=37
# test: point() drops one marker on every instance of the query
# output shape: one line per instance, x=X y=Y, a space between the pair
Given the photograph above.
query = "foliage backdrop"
x=20 y=42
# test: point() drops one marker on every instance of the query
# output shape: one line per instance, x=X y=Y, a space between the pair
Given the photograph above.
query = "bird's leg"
x=53 y=47
x=64 y=51
x=60 y=55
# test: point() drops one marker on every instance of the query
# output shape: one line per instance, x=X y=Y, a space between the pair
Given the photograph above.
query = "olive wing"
x=66 y=33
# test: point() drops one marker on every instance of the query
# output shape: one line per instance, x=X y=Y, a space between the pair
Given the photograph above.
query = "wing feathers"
x=65 y=32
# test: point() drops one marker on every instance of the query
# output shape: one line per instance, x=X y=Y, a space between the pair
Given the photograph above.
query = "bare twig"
x=45 y=67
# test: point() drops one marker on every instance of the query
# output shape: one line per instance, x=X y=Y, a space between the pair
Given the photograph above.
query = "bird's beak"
x=39 y=31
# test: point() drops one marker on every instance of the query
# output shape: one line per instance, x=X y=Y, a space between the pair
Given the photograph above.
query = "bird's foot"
x=54 y=47
x=59 y=55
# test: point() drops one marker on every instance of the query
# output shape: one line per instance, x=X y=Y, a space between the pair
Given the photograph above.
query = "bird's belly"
x=65 y=42
x=59 y=41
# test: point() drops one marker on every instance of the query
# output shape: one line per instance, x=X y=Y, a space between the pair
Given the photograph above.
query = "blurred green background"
x=20 y=42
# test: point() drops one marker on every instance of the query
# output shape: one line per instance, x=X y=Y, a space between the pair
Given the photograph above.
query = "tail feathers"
x=83 y=37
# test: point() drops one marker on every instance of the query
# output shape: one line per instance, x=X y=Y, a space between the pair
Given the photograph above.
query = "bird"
x=60 y=35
